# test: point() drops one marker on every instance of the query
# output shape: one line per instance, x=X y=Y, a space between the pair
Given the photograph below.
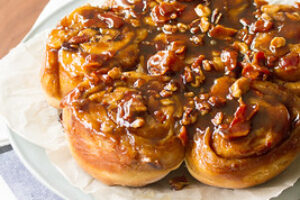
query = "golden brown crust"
x=237 y=166
x=90 y=156
x=123 y=147
x=242 y=173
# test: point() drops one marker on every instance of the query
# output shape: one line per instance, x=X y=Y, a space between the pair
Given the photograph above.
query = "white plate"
x=35 y=158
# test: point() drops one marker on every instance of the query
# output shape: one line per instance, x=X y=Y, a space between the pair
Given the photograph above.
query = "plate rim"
x=29 y=167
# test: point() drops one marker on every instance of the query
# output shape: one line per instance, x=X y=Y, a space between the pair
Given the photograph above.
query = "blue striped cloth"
x=20 y=181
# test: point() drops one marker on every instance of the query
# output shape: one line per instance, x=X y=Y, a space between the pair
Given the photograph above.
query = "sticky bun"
x=123 y=131
x=249 y=134
x=146 y=84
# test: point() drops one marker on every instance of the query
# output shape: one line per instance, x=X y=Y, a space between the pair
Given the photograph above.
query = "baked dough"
x=146 y=84
x=120 y=133
x=254 y=144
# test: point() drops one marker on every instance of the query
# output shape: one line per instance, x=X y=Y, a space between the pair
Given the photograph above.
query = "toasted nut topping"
x=171 y=87
x=278 y=42
x=115 y=73
x=206 y=65
x=166 y=93
x=189 y=117
x=195 y=30
x=189 y=94
x=198 y=80
x=240 y=87
x=204 y=24
x=202 y=11
x=139 y=122
x=222 y=32
x=178 y=183
x=218 y=119
x=197 y=39
x=243 y=48
x=169 y=29
x=135 y=22
x=182 y=27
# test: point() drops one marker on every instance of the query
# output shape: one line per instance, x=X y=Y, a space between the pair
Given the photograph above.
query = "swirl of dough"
x=124 y=132
x=246 y=146
x=88 y=42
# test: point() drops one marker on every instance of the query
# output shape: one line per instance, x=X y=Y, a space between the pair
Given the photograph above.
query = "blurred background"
x=16 y=19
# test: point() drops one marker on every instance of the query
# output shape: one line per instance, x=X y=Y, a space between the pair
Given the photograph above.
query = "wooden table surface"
x=16 y=19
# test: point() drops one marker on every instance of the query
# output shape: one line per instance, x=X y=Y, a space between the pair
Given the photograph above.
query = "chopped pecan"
x=278 y=42
x=178 y=183
x=189 y=94
x=206 y=65
x=216 y=16
x=221 y=86
x=189 y=117
x=222 y=32
x=239 y=87
x=292 y=59
x=178 y=47
x=288 y=67
x=171 y=86
x=203 y=106
x=170 y=29
x=79 y=39
x=204 y=24
x=167 y=102
x=242 y=47
x=198 y=80
x=255 y=72
x=139 y=83
x=240 y=125
x=261 y=25
x=245 y=36
x=217 y=101
x=197 y=63
x=197 y=39
x=195 y=26
x=163 y=62
x=166 y=11
x=114 y=73
x=70 y=47
x=138 y=123
x=218 y=119
x=166 y=93
x=198 y=75
x=188 y=75
x=195 y=30
x=130 y=106
x=182 y=27
x=202 y=11
x=229 y=57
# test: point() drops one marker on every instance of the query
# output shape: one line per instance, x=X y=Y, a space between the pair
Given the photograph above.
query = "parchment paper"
x=26 y=112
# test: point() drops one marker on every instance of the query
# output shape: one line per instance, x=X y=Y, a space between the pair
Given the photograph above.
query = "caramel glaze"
x=131 y=124
x=221 y=76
